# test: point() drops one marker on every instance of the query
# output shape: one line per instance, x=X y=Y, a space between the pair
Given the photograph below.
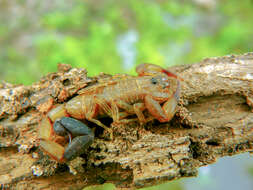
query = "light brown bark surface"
x=214 y=119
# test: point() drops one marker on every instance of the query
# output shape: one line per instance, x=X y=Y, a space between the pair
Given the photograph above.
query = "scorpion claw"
x=77 y=146
x=72 y=128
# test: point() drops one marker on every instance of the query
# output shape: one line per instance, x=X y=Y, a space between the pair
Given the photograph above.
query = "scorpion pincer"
x=154 y=91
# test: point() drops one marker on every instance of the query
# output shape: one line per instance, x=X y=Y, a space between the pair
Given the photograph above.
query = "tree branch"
x=214 y=119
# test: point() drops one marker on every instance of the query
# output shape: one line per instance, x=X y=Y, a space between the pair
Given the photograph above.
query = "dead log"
x=214 y=119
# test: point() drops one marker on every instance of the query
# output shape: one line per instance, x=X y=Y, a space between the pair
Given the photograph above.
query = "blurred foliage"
x=250 y=170
x=106 y=186
x=35 y=36
x=172 y=185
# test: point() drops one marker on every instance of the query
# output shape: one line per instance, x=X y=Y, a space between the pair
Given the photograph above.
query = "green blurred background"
x=114 y=36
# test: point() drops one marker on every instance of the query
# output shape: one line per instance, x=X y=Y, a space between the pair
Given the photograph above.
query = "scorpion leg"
x=99 y=123
x=169 y=107
x=90 y=114
x=81 y=134
x=87 y=107
x=155 y=109
x=114 y=111
x=125 y=106
x=136 y=108
x=163 y=114
x=119 y=116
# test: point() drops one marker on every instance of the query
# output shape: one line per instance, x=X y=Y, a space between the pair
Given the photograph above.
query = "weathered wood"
x=214 y=119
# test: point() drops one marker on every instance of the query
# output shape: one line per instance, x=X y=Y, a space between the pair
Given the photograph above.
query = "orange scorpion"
x=155 y=90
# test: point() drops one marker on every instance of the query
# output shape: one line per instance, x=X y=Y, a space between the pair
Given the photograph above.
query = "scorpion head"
x=162 y=78
x=160 y=81
x=159 y=86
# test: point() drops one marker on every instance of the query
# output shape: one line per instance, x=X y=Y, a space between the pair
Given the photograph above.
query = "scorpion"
x=155 y=90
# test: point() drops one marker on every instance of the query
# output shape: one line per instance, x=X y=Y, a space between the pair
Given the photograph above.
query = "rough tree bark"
x=214 y=119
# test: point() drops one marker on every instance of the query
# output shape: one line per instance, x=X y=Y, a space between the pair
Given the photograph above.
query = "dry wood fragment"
x=214 y=119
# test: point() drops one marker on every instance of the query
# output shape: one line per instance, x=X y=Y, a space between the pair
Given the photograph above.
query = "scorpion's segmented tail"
x=150 y=69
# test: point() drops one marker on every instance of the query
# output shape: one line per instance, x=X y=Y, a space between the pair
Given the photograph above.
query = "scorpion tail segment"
x=78 y=146
x=170 y=74
x=45 y=130
x=148 y=69
x=58 y=112
x=54 y=150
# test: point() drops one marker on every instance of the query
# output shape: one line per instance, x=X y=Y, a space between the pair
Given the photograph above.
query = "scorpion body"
x=155 y=90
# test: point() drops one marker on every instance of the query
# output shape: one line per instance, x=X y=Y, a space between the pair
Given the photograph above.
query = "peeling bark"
x=214 y=119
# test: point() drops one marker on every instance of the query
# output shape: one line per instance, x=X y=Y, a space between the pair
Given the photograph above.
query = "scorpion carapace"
x=155 y=90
